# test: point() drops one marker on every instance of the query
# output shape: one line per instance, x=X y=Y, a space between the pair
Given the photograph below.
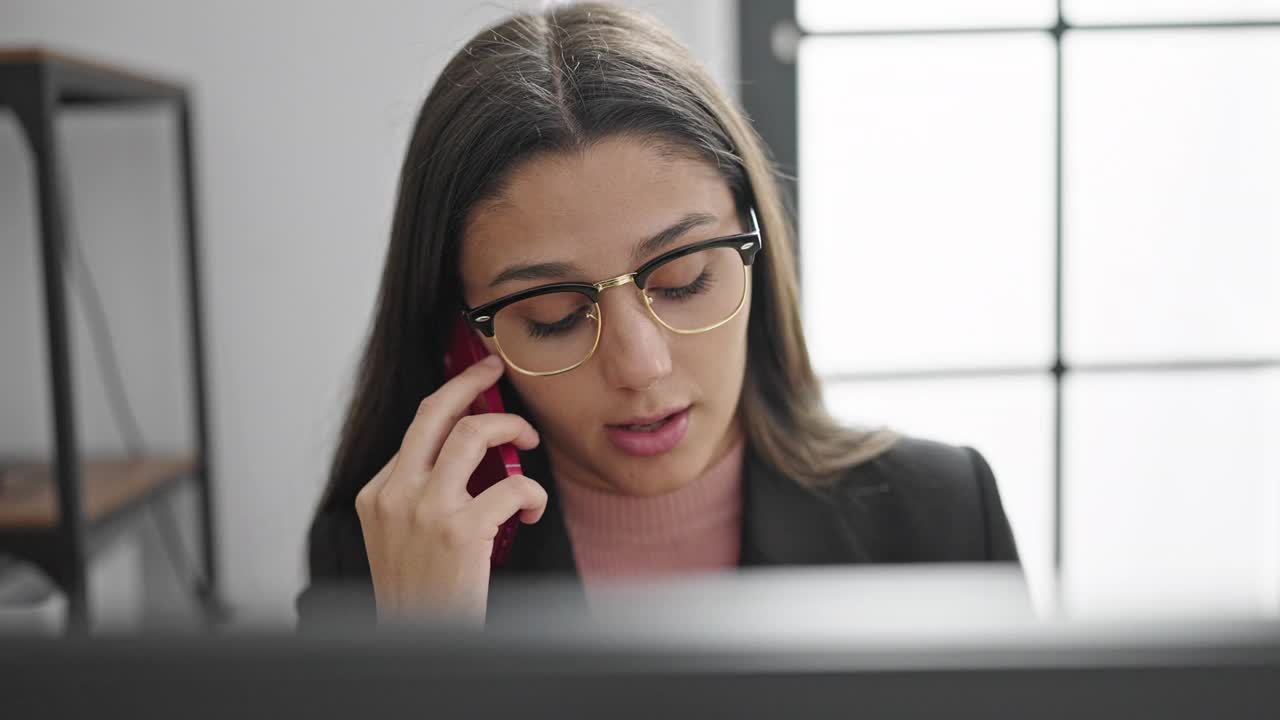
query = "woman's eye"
x=699 y=285
x=539 y=330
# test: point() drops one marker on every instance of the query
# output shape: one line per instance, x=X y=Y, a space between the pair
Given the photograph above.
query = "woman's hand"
x=427 y=539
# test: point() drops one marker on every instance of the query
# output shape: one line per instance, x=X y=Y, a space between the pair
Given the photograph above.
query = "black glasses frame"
x=482 y=317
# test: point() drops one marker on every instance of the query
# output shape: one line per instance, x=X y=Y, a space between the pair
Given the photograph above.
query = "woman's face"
x=587 y=212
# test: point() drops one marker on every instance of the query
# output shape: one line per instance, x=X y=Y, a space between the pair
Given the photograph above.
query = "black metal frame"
x=770 y=96
x=34 y=84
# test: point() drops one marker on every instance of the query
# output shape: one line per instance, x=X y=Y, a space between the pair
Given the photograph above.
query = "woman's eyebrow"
x=560 y=270
x=646 y=248
x=538 y=271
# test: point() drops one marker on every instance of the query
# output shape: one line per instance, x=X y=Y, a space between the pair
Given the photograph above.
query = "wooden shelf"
x=28 y=493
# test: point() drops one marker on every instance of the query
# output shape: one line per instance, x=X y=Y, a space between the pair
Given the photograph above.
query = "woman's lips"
x=652 y=442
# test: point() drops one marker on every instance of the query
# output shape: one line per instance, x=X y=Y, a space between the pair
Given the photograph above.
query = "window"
x=1051 y=230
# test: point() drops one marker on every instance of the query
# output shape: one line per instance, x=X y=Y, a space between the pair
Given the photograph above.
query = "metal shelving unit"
x=55 y=511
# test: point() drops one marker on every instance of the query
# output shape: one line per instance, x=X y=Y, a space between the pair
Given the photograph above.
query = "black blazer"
x=918 y=501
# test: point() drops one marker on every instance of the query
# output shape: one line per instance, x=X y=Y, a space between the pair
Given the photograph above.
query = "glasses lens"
x=547 y=333
x=698 y=290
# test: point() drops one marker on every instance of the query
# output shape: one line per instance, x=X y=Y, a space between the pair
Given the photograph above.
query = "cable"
x=126 y=419
x=104 y=352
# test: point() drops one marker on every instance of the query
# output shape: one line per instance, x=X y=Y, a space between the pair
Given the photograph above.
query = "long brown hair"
x=550 y=83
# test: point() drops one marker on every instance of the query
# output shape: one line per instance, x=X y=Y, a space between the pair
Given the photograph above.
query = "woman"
x=668 y=419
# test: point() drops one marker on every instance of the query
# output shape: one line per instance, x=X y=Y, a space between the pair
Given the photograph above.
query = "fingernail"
x=493 y=361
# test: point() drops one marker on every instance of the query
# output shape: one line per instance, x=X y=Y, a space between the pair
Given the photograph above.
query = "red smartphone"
x=465 y=350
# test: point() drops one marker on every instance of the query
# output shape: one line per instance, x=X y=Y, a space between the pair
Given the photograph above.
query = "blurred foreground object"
x=908 y=641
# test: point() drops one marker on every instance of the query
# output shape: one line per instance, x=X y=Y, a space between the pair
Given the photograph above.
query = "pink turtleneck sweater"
x=692 y=529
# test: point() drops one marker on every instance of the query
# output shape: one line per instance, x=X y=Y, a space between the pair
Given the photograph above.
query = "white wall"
x=302 y=112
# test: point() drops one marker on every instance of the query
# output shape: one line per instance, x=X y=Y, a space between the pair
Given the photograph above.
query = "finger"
x=496 y=505
x=467 y=443
x=439 y=412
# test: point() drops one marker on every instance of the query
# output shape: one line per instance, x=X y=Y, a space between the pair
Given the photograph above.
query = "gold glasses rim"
x=598 y=316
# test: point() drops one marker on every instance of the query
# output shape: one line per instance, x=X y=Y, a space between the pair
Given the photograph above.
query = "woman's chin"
x=646 y=476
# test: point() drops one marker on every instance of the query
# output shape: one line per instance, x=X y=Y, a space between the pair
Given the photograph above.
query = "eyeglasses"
x=552 y=329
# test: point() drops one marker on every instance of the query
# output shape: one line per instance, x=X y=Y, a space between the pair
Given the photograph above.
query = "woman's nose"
x=633 y=346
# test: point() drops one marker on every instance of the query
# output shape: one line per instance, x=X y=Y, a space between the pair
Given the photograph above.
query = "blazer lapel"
x=785 y=523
